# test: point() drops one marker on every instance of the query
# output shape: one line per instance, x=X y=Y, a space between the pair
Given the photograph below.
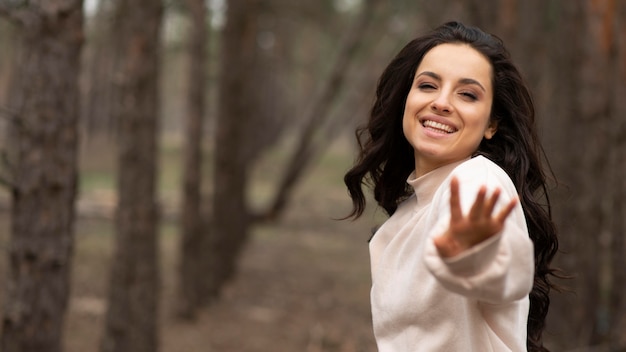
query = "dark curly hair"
x=386 y=158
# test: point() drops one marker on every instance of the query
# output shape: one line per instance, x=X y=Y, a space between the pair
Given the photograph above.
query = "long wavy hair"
x=386 y=158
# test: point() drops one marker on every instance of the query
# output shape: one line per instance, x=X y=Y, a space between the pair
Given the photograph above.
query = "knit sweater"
x=476 y=301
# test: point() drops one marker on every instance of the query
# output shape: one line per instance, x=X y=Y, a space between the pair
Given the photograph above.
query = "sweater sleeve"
x=497 y=270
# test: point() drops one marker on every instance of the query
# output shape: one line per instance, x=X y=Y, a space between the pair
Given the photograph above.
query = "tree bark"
x=568 y=312
x=193 y=237
x=131 y=319
x=98 y=81
x=235 y=108
x=44 y=145
x=617 y=304
x=580 y=116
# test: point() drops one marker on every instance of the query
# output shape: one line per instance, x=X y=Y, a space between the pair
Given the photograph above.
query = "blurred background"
x=173 y=169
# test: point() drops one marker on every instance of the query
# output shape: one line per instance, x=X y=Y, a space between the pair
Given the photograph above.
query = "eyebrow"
x=462 y=80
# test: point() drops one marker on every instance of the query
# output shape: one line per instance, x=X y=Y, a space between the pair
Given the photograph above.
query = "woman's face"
x=448 y=107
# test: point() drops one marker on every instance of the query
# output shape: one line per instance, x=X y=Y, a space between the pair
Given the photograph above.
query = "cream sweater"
x=476 y=301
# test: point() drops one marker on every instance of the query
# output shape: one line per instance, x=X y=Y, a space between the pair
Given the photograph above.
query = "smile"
x=438 y=127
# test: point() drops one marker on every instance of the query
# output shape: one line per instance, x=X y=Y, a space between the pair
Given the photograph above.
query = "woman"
x=451 y=151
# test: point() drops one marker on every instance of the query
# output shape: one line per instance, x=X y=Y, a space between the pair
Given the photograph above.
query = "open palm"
x=478 y=225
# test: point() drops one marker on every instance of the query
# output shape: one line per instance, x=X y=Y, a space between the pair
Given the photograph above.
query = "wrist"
x=447 y=246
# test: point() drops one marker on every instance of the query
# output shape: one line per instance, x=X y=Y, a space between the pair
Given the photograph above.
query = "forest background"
x=173 y=169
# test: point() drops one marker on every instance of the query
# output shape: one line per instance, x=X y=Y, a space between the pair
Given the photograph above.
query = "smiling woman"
x=463 y=262
x=448 y=106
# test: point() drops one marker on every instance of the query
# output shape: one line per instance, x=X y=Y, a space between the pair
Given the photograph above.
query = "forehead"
x=457 y=61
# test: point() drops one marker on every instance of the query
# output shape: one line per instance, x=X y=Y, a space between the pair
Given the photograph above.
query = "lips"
x=438 y=126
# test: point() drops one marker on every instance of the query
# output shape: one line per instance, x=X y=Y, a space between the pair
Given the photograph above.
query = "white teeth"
x=438 y=126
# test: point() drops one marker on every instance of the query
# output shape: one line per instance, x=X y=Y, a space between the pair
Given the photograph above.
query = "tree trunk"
x=580 y=116
x=570 y=314
x=617 y=304
x=44 y=174
x=192 y=256
x=98 y=80
x=8 y=59
x=243 y=117
x=235 y=108
x=131 y=319
x=319 y=112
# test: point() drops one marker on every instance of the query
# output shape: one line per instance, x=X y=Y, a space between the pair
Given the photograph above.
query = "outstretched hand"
x=478 y=225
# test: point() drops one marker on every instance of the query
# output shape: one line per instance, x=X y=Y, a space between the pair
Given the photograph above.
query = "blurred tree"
x=8 y=44
x=572 y=316
x=605 y=76
x=98 y=78
x=319 y=111
x=43 y=135
x=244 y=128
x=615 y=32
x=131 y=319
x=193 y=236
x=235 y=112
x=584 y=133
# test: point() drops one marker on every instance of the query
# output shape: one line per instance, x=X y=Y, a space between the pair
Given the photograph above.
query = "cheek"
x=412 y=107
x=406 y=127
x=480 y=119
x=406 y=118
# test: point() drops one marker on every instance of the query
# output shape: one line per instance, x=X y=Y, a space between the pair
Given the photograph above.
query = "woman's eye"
x=469 y=95
x=426 y=86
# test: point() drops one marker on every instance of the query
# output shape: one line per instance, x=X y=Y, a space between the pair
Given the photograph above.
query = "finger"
x=455 y=201
x=506 y=211
x=477 y=208
x=490 y=204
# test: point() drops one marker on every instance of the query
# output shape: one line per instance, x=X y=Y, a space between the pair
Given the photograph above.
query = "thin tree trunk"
x=579 y=116
x=193 y=236
x=231 y=223
x=7 y=63
x=594 y=119
x=618 y=165
x=44 y=175
x=318 y=114
x=131 y=319
x=99 y=79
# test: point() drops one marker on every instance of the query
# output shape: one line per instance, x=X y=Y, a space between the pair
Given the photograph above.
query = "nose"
x=441 y=104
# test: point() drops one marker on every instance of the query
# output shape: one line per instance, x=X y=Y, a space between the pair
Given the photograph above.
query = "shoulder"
x=482 y=171
x=405 y=207
x=392 y=225
x=479 y=166
x=405 y=210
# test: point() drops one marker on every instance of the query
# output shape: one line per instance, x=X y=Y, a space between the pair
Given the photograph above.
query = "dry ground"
x=302 y=286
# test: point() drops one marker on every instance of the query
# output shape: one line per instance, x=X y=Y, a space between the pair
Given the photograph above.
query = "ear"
x=491 y=129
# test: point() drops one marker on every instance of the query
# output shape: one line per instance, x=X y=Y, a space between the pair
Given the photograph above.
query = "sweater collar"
x=426 y=185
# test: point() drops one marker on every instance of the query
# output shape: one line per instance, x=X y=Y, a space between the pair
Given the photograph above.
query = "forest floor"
x=303 y=284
